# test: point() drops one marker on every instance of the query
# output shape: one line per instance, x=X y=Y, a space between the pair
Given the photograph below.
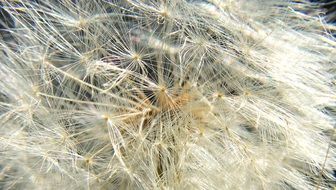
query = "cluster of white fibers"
x=167 y=94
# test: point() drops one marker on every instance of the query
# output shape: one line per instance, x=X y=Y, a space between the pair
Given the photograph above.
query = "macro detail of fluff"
x=167 y=94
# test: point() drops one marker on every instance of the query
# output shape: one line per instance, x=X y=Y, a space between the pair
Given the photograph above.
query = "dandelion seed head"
x=166 y=94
